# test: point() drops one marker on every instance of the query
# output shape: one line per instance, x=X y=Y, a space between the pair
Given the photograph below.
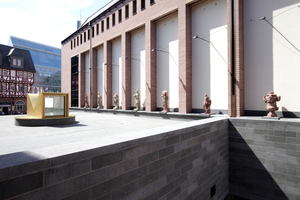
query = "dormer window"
x=16 y=62
x=0 y=58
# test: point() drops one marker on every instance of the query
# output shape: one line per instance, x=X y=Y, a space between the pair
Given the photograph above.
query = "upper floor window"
x=80 y=38
x=93 y=31
x=113 y=19
x=30 y=75
x=152 y=1
x=120 y=15
x=5 y=72
x=102 y=26
x=13 y=73
x=89 y=32
x=71 y=44
x=134 y=7
x=126 y=11
x=25 y=74
x=97 y=29
x=107 y=23
x=84 y=38
x=143 y=4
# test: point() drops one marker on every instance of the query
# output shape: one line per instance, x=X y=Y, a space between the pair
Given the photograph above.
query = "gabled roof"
x=7 y=51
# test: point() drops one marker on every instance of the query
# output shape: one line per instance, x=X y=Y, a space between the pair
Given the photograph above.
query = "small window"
x=25 y=89
x=93 y=31
x=0 y=72
x=12 y=87
x=5 y=72
x=19 y=62
x=80 y=38
x=84 y=37
x=143 y=4
x=113 y=19
x=13 y=73
x=20 y=105
x=25 y=74
x=97 y=29
x=134 y=7
x=21 y=88
x=126 y=11
x=3 y=87
x=89 y=32
x=107 y=23
x=30 y=75
x=102 y=26
x=20 y=74
x=77 y=40
x=152 y=2
x=74 y=42
x=14 y=62
x=120 y=15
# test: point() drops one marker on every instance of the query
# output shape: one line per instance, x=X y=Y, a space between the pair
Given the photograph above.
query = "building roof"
x=7 y=51
x=98 y=14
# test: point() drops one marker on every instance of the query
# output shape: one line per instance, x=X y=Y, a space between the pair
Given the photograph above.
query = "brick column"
x=236 y=89
x=81 y=80
x=107 y=47
x=94 y=79
x=185 y=57
x=150 y=43
x=126 y=71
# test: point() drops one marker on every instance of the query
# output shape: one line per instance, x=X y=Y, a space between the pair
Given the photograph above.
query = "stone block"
x=166 y=151
x=145 y=159
x=20 y=185
x=135 y=174
x=107 y=159
x=156 y=165
x=106 y=186
x=172 y=140
x=125 y=190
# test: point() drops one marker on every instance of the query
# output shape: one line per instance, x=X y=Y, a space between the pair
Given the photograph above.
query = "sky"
x=47 y=22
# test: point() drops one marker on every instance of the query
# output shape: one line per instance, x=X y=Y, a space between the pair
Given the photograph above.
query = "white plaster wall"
x=87 y=74
x=210 y=56
x=138 y=71
x=271 y=63
x=117 y=69
x=167 y=61
x=100 y=63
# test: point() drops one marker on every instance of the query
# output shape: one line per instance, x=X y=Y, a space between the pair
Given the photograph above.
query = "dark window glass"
x=84 y=36
x=71 y=44
x=80 y=38
x=126 y=11
x=152 y=1
x=107 y=23
x=143 y=4
x=93 y=31
x=97 y=29
x=102 y=26
x=89 y=34
x=120 y=15
x=134 y=7
x=113 y=19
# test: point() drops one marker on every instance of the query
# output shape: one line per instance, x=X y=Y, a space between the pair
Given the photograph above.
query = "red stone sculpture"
x=271 y=106
x=86 y=101
x=165 y=98
x=206 y=104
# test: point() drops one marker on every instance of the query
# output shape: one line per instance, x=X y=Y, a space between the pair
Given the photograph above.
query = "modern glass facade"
x=47 y=62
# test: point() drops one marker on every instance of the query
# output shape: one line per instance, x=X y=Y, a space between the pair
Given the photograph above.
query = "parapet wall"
x=190 y=162
x=264 y=158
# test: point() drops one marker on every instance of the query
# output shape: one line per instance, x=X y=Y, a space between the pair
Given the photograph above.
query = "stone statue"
x=165 y=98
x=137 y=100
x=116 y=101
x=271 y=106
x=99 y=100
x=206 y=104
x=86 y=101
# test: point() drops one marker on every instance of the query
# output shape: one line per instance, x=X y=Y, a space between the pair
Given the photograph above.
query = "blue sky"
x=47 y=22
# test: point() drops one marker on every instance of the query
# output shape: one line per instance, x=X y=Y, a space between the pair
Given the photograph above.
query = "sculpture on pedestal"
x=86 y=101
x=99 y=100
x=206 y=104
x=165 y=99
x=116 y=101
x=271 y=106
x=137 y=100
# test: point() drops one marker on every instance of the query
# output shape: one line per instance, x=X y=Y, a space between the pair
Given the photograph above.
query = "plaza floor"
x=92 y=130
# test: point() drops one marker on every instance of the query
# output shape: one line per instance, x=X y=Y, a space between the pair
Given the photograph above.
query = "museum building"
x=16 y=79
x=234 y=51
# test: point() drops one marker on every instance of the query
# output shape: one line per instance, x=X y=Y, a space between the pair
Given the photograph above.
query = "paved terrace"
x=21 y=144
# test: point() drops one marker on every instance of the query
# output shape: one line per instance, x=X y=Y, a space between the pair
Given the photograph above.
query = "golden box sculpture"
x=48 y=104
x=46 y=108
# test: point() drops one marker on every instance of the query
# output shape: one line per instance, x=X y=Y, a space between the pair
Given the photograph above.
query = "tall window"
x=77 y=40
x=20 y=87
x=89 y=34
x=143 y=4
x=5 y=73
x=84 y=37
x=93 y=31
x=120 y=15
x=25 y=74
x=126 y=11
x=19 y=62
x=25 y=89
x=14 y=62
x=12 y=87
x=3 y=87
x=71 y=44
x=134 y=7
x=80 y=38
x=107 y=23
x=102 y=26
x=13 y=73
x=97 y=29
x=113 y=19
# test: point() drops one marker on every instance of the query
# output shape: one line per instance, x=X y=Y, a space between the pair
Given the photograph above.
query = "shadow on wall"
x=248 y=177
x=288 y=114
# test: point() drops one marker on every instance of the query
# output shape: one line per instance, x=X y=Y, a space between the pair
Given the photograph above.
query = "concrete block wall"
x=183 y=163
x=264 y=159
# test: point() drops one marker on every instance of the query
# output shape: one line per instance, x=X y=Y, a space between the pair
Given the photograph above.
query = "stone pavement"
x=93 y=130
